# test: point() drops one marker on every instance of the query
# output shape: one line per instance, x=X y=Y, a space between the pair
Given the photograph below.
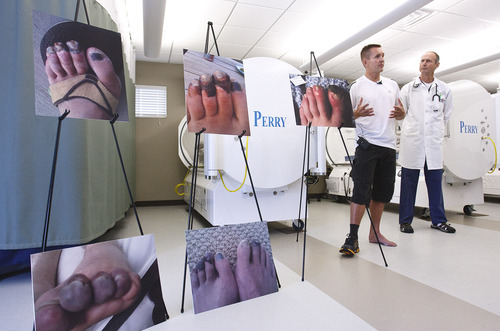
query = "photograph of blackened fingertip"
x=236 y=87
x=218 y=80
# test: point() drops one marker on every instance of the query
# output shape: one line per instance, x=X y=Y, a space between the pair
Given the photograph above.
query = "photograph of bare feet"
x=230 y=264
x=321 y=101
x=79 y=68
x=85 y=287
x=215 y=94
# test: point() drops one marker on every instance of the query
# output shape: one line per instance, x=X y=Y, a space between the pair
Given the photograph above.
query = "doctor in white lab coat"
x=428 y=104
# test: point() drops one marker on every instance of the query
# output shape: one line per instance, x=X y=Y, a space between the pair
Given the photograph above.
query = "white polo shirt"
x=378 y=129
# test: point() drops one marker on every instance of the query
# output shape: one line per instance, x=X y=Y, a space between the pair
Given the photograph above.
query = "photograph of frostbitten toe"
x=78 y=68
x=230 y=264
x=215 y=94
x=103 y=285
x=321 y=101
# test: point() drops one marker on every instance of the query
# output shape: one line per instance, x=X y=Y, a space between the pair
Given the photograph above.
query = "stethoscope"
x=415 y=85
x=436 y=93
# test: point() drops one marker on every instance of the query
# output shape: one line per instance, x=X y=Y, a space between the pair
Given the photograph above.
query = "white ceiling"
x=465 y=33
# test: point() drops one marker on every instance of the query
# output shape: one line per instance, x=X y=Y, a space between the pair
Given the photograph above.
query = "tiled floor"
x=433 y=281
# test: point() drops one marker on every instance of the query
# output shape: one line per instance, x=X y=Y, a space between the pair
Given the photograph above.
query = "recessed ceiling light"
x=413 y=19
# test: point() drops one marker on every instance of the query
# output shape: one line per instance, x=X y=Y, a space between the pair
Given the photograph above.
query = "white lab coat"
x=423 y=127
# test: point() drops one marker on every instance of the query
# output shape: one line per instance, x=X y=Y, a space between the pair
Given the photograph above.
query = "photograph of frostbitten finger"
x=215 y=94
x=78 y=67
x=321 y=101
x=230 y=264
x=113 y=285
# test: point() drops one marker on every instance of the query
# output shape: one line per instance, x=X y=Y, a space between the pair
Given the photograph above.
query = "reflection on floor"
x=433 y=281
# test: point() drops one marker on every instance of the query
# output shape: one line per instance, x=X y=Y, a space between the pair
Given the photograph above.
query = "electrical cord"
x=244 y=178
x=183 y=183
x=495 y=148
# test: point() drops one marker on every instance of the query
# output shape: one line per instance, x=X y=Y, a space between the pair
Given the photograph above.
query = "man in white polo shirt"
x=377 y=107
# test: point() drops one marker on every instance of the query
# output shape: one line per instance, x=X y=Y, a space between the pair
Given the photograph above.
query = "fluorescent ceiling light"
x=153 y=18
x=383 y=22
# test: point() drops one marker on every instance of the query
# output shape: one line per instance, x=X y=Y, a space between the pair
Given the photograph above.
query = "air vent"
x=413 y=19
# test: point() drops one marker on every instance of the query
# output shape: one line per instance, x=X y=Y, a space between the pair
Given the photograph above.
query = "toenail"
x=122 y=281
x=255 y=242
x=209 y=257
x=236 y=87
x=219 y=256
x=73 y=46
x=104 y=287
x=200 y=265
x=207 y=84
x=222 y=80
x=195 y=86
x=96 y=56
x=59 y=47
x=220 y=75
x=76 y=295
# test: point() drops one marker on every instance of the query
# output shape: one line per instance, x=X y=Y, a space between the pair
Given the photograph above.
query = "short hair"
x=437 y=55
x=367 y=49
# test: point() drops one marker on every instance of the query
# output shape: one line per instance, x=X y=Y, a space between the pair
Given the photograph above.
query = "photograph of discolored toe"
x=321 y=101
x=78 y=68
x=101 y=285
x=216 y=98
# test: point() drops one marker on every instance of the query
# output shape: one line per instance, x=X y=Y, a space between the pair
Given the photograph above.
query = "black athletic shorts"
x=373 y=174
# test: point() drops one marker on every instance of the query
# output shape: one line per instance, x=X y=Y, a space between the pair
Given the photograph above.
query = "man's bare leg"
x=376 y=210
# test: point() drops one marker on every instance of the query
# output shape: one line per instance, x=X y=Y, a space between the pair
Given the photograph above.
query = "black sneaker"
x=406 y=228
x=445 y=227
x=350 y=246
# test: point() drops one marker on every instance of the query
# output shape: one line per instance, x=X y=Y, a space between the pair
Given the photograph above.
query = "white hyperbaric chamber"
x=275 y=155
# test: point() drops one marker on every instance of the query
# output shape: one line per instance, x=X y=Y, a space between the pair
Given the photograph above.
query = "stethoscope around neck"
x=415 y=85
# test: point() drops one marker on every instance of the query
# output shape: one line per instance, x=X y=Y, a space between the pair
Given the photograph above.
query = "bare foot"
x=255 y=274
x=101 y=286
x=68 y=61
x=218 y=104
x=383 y=240
x=213 y=284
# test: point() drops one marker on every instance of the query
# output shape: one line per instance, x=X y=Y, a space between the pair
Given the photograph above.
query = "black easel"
x=78 y=8
x=307 y=148
x=191 y=204
x=195 y=170
x=254 y=193
x=305 y=174
x=54 y=161
x=112 y=122
x=366 y=206
x=249 y=175
x=51 y=185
